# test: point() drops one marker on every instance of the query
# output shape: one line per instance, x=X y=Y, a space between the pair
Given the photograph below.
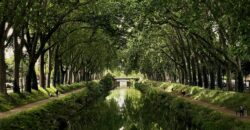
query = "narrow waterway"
x=120 y=94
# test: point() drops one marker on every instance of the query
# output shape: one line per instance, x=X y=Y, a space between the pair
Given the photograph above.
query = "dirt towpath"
x=217 y=108
x=34 y=105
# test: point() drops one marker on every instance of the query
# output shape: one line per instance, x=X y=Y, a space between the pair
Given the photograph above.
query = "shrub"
x=160 y=110
x=107 y=83
x=142 y=87
x=67 y=88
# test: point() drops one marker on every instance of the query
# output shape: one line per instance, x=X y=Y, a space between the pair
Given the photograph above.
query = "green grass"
x=161 y=110
x=75 y=111
x=133 y=93
x=67 y=88
x=228 y=99
x=13 y=100
x=43 y=117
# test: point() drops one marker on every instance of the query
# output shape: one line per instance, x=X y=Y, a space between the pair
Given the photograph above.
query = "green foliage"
x=153 y=109
x=141 y=87
x=230 y=100
x=103 y=115
x=83 y=110
x=107 y=82
x=13 y=100
x=66 y=88
x=48 y=115
x=159 y=110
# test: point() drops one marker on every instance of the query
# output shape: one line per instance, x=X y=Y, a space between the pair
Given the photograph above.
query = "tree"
x=45 y=18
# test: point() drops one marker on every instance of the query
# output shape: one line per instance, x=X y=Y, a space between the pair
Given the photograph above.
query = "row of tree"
x=73 y=39
x=193 y=42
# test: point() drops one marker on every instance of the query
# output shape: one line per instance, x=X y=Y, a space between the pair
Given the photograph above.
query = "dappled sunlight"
x=221 y=97
x=229 y=99
x=194 y=90
x=168 y=89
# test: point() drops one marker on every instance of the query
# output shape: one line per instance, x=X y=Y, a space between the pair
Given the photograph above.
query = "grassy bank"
x=229 y=99
x=13 y=100
x=158 y=109
x=71 y=112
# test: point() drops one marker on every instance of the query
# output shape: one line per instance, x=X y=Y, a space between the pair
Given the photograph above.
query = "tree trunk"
x=3 y=89
x=189 y=71
x=175 y=75
x=194 y=73
x=17 y=61
x=63 y=73
x=31 y=79
x=240 y=80
x=205 y=77
x=56 y=74
x=56 y=68
x=90 y=76
x=219 y=78
x=179 y=75
x=69 y=76
x=199 y=76
x=22 y=78
x=79 y=76
x=182 y=76
x=75 y=75
x=66 y=77
x=186 y=75
x=229 y=80
x=82 y=74
x=49 y=67
x=212 y=80
x=42 y=74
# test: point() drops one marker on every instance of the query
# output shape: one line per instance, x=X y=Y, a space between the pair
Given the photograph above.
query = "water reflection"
x=119 y=95
x=121 y=99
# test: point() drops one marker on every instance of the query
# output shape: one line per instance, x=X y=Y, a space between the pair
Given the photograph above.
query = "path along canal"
x=128 y=109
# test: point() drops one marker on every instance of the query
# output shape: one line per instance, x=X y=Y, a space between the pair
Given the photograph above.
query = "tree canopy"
x=193 y=42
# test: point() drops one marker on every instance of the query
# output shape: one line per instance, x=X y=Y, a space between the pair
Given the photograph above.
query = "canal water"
x=120 y=95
